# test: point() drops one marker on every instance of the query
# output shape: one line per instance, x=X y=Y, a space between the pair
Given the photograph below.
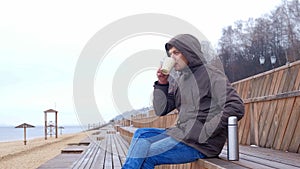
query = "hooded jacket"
x=203 y=97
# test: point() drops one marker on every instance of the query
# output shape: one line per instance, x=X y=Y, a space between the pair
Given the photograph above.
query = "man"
x=204 y=98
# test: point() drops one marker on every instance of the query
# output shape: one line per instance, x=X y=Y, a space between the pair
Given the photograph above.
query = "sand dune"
x=15 y=155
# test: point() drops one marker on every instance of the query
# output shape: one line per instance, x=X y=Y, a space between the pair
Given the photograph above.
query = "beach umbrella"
x=25 y=125
x=61 y=127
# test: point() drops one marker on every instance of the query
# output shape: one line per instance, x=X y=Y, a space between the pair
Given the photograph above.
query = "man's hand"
x=162 y=79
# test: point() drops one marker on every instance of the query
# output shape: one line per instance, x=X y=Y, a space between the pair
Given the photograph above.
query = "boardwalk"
x=103 y=149
x=271 y=123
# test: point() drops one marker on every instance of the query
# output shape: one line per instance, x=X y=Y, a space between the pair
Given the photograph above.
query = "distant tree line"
x=274 y=35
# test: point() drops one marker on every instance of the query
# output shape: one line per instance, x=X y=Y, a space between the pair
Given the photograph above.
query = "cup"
x=167 y=65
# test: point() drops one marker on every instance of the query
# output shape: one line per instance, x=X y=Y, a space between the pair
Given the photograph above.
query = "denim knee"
x=149 y=163
x=139 y=132
x=147 y=132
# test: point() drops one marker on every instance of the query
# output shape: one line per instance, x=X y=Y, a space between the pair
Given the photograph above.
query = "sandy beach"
x=15 y=155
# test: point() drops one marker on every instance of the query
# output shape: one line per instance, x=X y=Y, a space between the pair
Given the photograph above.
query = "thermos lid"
x=232 y=120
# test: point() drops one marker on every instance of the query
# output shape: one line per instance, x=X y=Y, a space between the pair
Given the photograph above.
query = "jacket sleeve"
x=233 y=104
x=226 y=97
x=163 y=102
x=229 y=101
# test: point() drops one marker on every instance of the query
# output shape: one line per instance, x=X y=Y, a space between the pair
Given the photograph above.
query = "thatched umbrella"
x=61 y=128
x=24 y=125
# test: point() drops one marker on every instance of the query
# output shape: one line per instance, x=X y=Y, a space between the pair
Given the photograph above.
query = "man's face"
x=181 y=61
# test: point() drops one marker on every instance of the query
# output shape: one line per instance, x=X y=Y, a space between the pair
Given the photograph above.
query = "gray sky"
x=40 y=42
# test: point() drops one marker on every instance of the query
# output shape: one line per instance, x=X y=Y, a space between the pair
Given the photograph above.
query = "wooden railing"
x=272 y=104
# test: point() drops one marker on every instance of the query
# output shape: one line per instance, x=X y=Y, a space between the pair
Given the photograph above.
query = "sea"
x=10 y=133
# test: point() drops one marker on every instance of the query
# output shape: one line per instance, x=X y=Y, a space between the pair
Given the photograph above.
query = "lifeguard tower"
x=49 y=126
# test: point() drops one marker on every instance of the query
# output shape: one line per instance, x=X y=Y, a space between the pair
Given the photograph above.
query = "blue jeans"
x=151 y=146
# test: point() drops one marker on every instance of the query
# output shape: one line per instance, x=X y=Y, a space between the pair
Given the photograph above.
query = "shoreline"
x=14 y=154
x=10 y=133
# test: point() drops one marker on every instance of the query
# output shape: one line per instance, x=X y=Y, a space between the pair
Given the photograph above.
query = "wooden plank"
x=273 y=97
x=100 y=160
x=260 y=84
x=269 y=84
x=263 y=118
x=294 y=74
x=205 y=164
x=297 y=82
x=61 y=161
x=91 y=158
x=108 y=156
x=73 y=150
x=291 y=125
x=245 y=90
x=270 y=71
x=240 y=87
x=253 y=88
x=115 y=152
x=123 y=142
x=122 y=148
x=246 y=132
x=254 y=115
x=256 y=82
x=267 y=123
x=283 y=122
x=295 y=139
x=100 y=156
x=275 y=123
x=264 y=85
x=287 y=80
x=244 y=162
x=84 y=156
x=278 y=82
x=249 y=89
x=295 y=143
x=252 y=124
x=283 y=81
x=241 y=127
x=267 y=163
x=253 y=158
x=273 y=83
x=122 y=155
x=286 y=158
x=248 y=139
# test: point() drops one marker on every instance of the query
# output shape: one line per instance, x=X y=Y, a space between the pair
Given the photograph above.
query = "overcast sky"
x=40 y=42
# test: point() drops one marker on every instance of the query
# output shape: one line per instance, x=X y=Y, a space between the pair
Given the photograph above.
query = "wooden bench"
x=68 y=155
x=250 y=157
x=105 y=149
x=108 y=153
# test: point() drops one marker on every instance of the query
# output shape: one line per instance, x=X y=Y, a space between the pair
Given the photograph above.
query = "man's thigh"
x=171 y=151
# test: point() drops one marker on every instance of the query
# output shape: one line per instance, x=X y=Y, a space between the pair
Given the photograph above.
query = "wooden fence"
x=272 y=104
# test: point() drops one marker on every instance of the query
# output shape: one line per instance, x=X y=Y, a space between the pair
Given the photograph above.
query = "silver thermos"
x=232 y=142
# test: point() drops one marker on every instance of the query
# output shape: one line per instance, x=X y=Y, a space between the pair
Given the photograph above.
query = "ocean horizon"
x=10 y=133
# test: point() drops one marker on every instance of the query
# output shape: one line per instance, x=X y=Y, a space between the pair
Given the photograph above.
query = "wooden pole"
x=24 y=135
x=24 y=126
x=56 y=125
x=45 y=126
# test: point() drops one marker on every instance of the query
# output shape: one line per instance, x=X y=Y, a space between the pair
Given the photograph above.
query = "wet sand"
x=15 y=155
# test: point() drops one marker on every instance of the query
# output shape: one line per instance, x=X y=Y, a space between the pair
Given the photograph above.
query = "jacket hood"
x=190 y=47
